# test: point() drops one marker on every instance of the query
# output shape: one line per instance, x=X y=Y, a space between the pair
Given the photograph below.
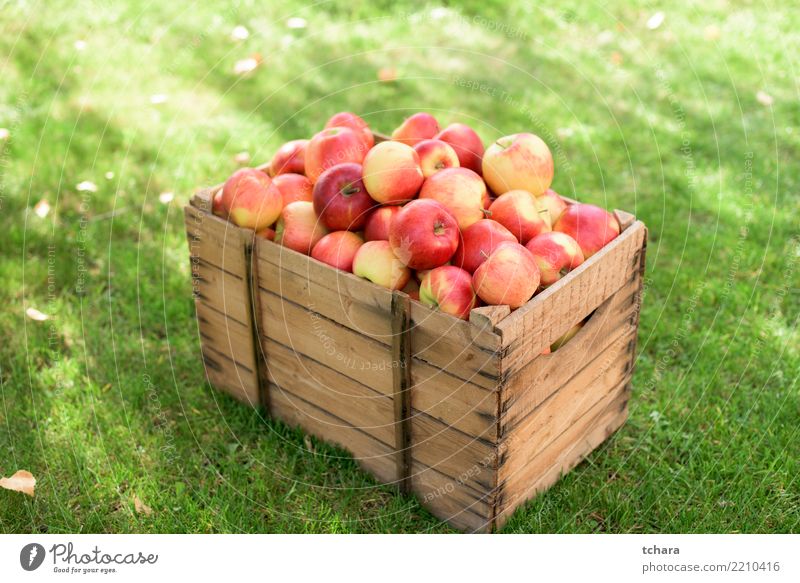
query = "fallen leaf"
x=764 y=98
x=616 y=58
x=296 y=22
x=240 y=33
x=22 y=481
x=35 y=314
x=565 y=132
x=4 y=134
x=42 y=208
x=387 y=74
x=242 y=158
x=158 y=98
x=245 y=66
x=308 y=443
x=655 y=21
x=141 y=507
x=86 y=186
x=165 y=197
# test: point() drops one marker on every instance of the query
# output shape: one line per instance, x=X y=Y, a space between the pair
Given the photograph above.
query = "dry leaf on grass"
x=42 y=208
x=22 y=481
x=4 y=134
x=764 y=98
x=655 y=21
x=35 y=314
x=141 y=507
x=86 y=186
x=387 y=74
x=240 y=33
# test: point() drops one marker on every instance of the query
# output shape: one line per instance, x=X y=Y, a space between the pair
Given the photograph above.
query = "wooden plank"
x=562 y=410
x=488 y=316
x=451 y=500
x=358 y=405
x=527 y=331
x=230 y=377
x=624 y=219
x=401 y=359
x=452 y=453
x=563 y=454
x=463 y=405
x=613 y=323
x=337 y=347
x=339 y=296
x=228 y=337
x=372 y=455
x=222 y=290
x=469 y=352
x=215 y=241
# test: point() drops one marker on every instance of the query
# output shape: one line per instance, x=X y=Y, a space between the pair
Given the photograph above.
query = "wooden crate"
x=470 y=416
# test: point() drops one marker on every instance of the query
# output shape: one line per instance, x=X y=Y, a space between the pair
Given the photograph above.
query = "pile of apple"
x=429 y=212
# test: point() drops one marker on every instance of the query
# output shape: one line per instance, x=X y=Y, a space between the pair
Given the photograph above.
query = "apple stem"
x=438 y=228
x=487 y=213
x=350 y=189
x=501 y=145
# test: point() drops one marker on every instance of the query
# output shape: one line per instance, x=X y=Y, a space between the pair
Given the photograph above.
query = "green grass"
x=663 y=123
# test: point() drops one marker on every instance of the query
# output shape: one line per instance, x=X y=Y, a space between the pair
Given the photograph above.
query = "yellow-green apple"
x=249 y=201
x=338 y=249
x=435 y=155
x=591 y=226
x=345 y=119
x=216 y=205
x=449 y=290
x=299 y=227
x=569 y=335
x=424 y=234
x=518 y=162
x=508 y=276
x=375 y=261
x=460 y=190
x=333 y=146
x=518 y=211
x=340 y=199
x=392 y=173
x=289 y=159
x=554 y=204
x=466 y=143
x=556 y=255
x=478 y=241
x=378 y=222
x=293 y=187
x=267 y=233
x=418 y=127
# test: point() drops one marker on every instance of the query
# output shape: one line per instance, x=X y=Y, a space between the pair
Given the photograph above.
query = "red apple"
x=338 y=249
x=299 y=228
x=556 y=255
x=518 y=211
x=460 y=190
x=518 y=162
x=375 y=261
x=333 y=146
x=378 y=222
x=466 y=143
x=478 y=241
x=554 y=204
x=345 y=119
x=592 y=227
x=289 y=159
x=249 y=201
x=216 y=205
x=508 y=276
x=293 y=187
x=412 y=289
x=418 y=127
x=449 y=289
x=424 y=234
x=268 y=234
x=435 y=155
x=340 y=199
x=392 y=173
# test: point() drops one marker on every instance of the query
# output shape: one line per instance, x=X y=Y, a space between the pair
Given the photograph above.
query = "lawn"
x=693 y=125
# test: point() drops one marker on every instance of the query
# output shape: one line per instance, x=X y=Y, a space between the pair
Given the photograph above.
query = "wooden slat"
x=372 y=455
x=563 y=454
x=215 y=241
x=231 y=377
x=229 y=337
x=527 y=331
x=331 y=391
x=337 y=347
x=401 y=361
x=225 y=292
x=339 y=296
x=612 y=324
